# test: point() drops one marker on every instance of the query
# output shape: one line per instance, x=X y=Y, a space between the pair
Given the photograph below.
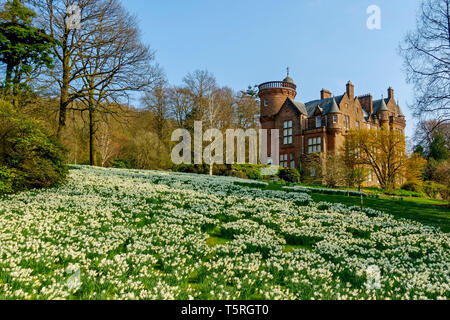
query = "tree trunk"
x=361 y=195
x=8 y=78
x=91 y=131
x=64 y=95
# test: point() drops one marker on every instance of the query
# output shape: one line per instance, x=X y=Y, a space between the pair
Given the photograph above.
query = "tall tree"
x=179 y=104
x=200 y=85
x=426 y=53
x=438 y=148
x=115 y=63
x=54 y=17
x=157 y=102
x=24 y=49
x=382 y=150
x=247 y=111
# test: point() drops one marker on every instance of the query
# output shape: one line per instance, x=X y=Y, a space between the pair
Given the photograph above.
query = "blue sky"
x=324 y=42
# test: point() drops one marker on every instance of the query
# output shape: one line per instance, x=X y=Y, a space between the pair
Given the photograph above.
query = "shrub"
x=121 y=164
x=193 y=168
x=412 y=186
x=6 y=180
x=289 y=175
x=433 y=190
x=249 y=171
x=29 y=156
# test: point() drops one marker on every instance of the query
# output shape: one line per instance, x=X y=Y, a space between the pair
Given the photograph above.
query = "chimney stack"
x=390 y=93
x=325 y=94
x=350 y=89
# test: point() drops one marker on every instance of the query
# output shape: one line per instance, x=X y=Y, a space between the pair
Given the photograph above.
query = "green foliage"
x=29 y=157
x=289 y=175
x=248 y=171
x=420 y=150
x=412 y=186
x=193 y=168
x=438 y=148
x=433 y=190
x=23 y=47
x=6 y=180
x=244 y=171
x=121 y=164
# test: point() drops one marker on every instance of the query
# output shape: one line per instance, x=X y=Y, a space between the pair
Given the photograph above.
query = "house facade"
x=320 y=126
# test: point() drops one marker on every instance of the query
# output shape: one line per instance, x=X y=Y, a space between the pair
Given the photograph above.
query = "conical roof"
x=334 y=107
x=383 y=106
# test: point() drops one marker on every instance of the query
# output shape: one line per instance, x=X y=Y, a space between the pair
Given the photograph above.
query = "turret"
x=383 y=114
x=334 y=114
x=273 y=94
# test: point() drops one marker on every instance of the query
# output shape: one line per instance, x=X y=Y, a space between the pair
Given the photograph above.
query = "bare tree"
x=53 y=17
x=200 y=85
x=114 y=64
x=157 y=102
x=179 y=104
x=107 y=144
x=426 y=53
x=427 y=130
x=247 y=111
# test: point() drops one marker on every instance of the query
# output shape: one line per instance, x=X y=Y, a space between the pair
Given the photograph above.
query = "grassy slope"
x=429 y=212
x=426 y=211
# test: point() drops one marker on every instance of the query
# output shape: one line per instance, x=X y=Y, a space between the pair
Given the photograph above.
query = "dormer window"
x=318 y=122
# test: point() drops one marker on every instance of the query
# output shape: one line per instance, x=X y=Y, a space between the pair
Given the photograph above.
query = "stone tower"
x=273 y=94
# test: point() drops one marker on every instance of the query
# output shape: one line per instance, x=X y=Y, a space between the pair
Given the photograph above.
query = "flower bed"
x=130 y=234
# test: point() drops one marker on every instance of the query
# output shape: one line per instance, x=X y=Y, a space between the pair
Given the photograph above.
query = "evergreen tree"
x=23 y=48
x=438 y=148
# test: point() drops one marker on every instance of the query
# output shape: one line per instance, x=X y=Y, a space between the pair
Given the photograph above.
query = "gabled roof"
x=325 y=104
x=297 y=106
x=300 y=106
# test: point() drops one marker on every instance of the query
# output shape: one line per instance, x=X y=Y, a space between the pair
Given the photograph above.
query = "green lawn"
x=426 y=211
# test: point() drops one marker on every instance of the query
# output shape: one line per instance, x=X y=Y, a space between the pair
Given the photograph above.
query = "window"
x=287 y=132
x=318 y=122
x=313 y=172
x=347 y=122
x=315 y=145
x=357 y=125
x=370 y=177
x=284 y=160
x=266 y=102
x=335 y=119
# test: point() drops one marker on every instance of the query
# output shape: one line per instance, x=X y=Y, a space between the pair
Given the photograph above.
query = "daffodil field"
x=129 y=234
